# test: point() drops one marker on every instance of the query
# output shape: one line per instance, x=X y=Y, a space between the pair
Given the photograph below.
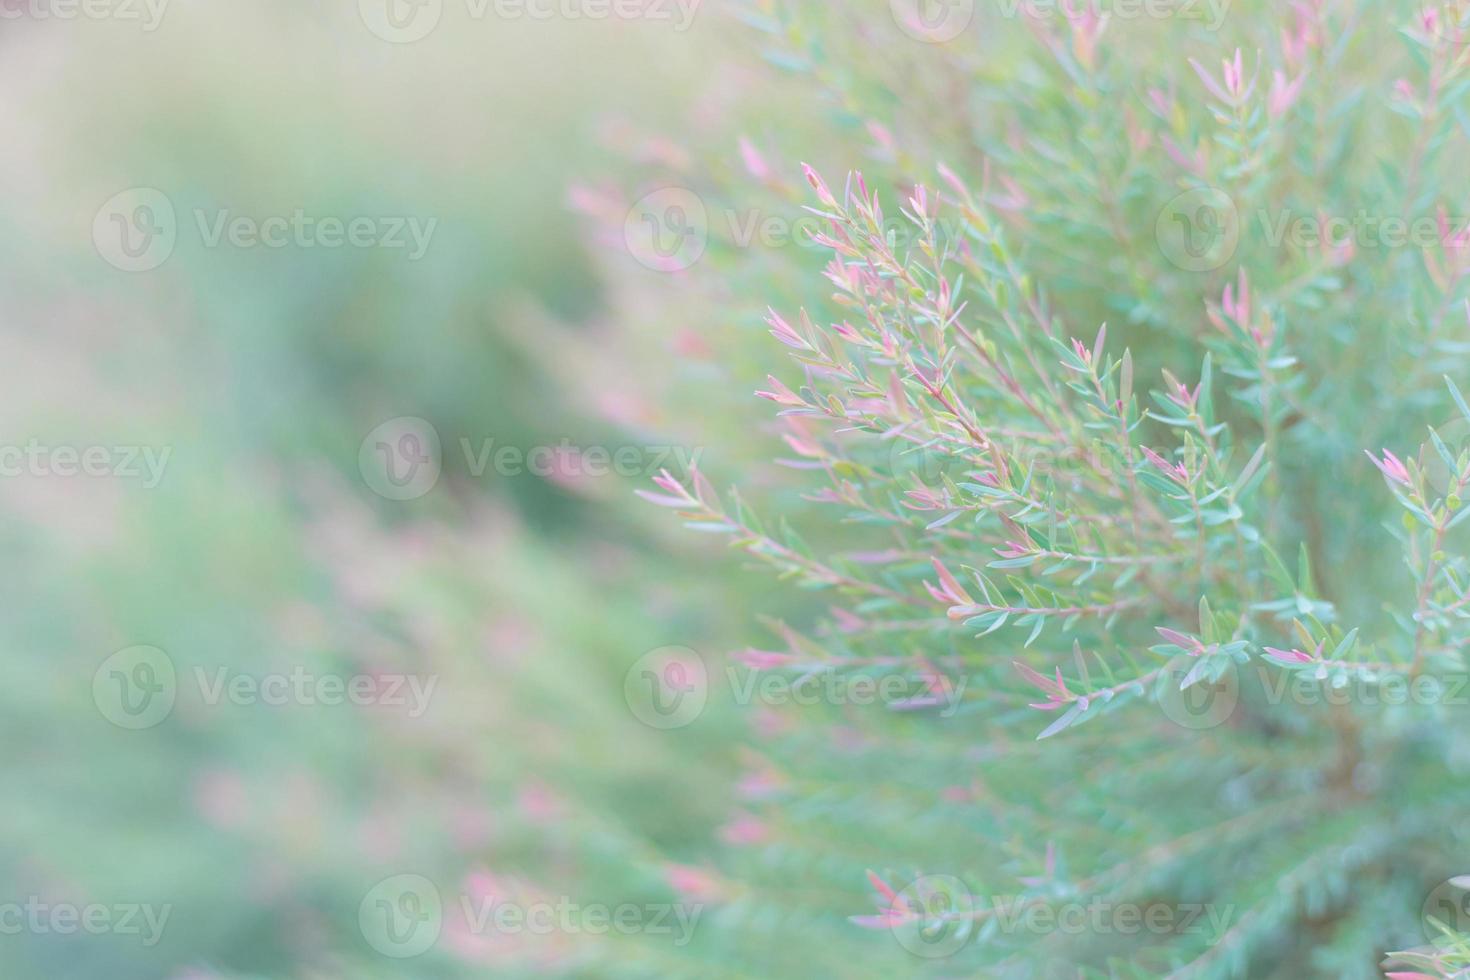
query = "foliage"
x=1183 y=672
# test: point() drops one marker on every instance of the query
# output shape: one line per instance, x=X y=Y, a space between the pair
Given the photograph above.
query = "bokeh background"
x=261 y=546
x=321 y=465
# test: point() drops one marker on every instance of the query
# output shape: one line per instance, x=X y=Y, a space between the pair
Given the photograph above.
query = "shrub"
x=1084 y=421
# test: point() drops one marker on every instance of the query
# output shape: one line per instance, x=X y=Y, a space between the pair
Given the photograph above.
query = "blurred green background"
x=255 y=374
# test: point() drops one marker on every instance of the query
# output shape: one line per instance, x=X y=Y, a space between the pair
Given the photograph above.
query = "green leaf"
x=1247 y=474
x=1304 y=572
x=1064 y=722
x=1036 y=630
x=1346 y=646
x=1459 y=399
